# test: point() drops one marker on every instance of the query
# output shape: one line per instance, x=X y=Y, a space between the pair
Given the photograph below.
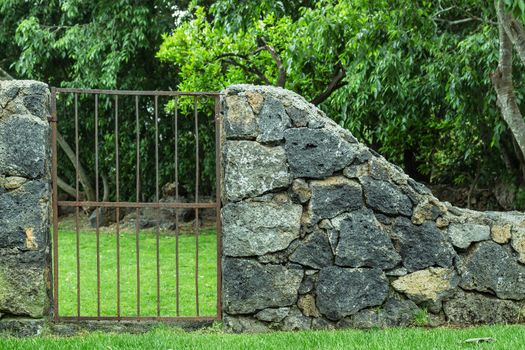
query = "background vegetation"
x=412 y=79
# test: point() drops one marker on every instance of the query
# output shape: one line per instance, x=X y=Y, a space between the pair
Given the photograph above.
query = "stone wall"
x=25 y=200
x=321 y=232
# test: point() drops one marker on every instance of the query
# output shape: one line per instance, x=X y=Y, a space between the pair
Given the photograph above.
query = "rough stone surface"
x=363 y=242
x=296 y=321
x=23 y=140
x=473 y=308
x=386 y=198
x=321 y=232
x=255 y=100
x=492 y=268
x=428 y=209
x=273 y=121
x=23 y=290
x=464 y=235
x=251 y=286
x=306 y=304
x=241 y=122
x=23 y=216
x=316 y=153
x=315 y=252
x=252 y=169
x=333 y=196
x=500 y=233
x=394 y=313
x=243 y=324
x=342 y=291
x=24 y=206
x=252 y=228
x=518 y=242
x=430 y=285
x=301 y=191
x=422 y=246
x=273 y=315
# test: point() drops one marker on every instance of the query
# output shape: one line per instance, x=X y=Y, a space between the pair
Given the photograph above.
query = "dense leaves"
x=411 y=79
x=112 y=45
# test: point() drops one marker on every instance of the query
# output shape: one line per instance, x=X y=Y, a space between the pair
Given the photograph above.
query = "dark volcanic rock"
x=363 y=243
x=23 y=216
x=315 y=251
x=394 y=313
x=334 y=196
x=342 y=291
x=273 y=120
x=249 y=286
x=422 y=246
x=492 y=268
x=386 y=198
x=23 y=289
x=23 y=141
x=316 y=153
x=473 y=308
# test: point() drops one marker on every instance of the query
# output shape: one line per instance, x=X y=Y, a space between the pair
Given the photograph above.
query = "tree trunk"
x=502 y=80
x=82 y=174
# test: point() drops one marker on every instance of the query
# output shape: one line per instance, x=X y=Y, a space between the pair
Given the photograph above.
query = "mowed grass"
x=507 y=337
x=207 y=281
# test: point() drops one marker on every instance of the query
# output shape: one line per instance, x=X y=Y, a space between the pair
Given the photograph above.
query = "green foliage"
x=421 y=318
x=517 y=7
x=417 y=75
x=107 y=44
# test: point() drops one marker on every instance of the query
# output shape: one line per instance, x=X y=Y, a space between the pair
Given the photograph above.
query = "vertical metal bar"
x=177 y=229
x=196 y=118
x=117 y=194
x=137 y=217
x=77 y=208
x=157 y=199
x=218 y=203
x=54 y=176
x=97 y=208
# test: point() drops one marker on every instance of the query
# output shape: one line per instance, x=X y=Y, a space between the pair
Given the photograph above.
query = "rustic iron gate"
x=78 y=203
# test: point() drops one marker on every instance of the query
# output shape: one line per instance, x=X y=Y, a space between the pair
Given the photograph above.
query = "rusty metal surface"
x=54 y=177
x=79 y=203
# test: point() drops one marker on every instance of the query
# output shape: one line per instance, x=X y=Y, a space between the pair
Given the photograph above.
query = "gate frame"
x=118 y=204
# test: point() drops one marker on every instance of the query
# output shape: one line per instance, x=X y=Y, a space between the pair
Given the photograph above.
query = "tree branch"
x=67 y=188
x=281 y=77
x=514 y=30
x=247 y=68
x=335 y=83
x=4 y=75
x=82 y=174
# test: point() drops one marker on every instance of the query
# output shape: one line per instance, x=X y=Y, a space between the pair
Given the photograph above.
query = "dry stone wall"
x=24 y=202
x=319 y=231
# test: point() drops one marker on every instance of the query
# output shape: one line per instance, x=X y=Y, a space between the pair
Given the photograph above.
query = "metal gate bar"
x=138 y=204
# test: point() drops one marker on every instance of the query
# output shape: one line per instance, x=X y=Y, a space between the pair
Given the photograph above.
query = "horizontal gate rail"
x=134 y=92
x=135 y=205
x=78 y=203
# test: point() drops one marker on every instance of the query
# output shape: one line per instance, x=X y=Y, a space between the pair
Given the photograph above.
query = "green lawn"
x=507 y=337
x=128 y=272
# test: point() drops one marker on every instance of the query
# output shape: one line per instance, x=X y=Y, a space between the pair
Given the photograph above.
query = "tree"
x=97 y=44
x=411 y=79
x=511 y=34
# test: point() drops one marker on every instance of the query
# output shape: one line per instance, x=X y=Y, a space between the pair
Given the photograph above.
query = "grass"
x=507 y=337
x=128 y=272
